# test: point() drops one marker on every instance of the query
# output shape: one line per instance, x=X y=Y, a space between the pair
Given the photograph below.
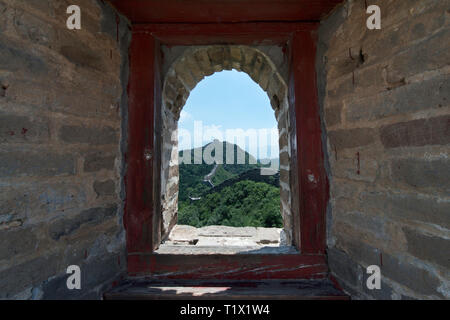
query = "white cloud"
x=185 y=116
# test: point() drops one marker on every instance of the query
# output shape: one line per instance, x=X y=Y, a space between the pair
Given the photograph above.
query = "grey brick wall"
x=385 y=101
x=62 y=101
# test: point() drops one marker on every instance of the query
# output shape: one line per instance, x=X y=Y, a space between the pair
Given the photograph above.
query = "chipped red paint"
x=313 y=181
x=358 y=164
x=24 y=131
x=230 y=267
x=267 y=33
x=139 y=202
x=221 y=11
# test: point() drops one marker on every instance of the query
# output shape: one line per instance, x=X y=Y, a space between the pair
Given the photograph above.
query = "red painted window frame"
x=142 y=215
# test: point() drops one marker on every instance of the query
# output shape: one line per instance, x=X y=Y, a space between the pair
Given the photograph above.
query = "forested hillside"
x=228 y=194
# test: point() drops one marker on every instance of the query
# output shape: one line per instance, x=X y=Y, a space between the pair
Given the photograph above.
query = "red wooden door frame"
x=142 y=213
x=313 y=182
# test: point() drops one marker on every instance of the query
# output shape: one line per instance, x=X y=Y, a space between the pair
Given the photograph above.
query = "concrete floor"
x=224 y=236
x=224 y=240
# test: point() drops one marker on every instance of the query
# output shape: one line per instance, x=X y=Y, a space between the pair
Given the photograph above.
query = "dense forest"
x=229 y=194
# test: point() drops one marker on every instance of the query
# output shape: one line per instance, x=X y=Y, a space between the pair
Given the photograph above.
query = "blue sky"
x=227 y=100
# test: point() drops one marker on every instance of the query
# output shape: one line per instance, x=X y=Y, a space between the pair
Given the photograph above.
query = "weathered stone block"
x=67 y=226
x=3 y=17
x=276 y=103
x=431 y=54
x=249 y=57
x=432 y=131
x=360 y=252
x=341 y=88
x=285 y=196
x=17 y=241
x=216 y=56
x=333 y=114
x=203 y=60
x=181 y=94
x=169 y=92
x=430 y=248
x=283 y=140
x=369 y=80
x=284 y=157
x=257 y=66
x=47 y=6
x=82 y=56
x=33 y=29
x=96 y=272
x=235 y=54
x=92 y=102
x=185 y=75
x=227 y=62
x=408 y=207
x=423 y=20
x=21 y=61
x=16 y=128
x=363 y=222
x=193 y=66
x=32 y=164
x=41 y=200
x=103 y=269
x=412 y=276
x=17 y=278
x=266 y=74
x=90 y=135
x=105 y=188
x=352 y=138
x=344 y=189
x=275 y=88
x=20 y=91
x=430 y=94
x=422 y=173
x=344 y=267
x=343 y=63
x=360 y=167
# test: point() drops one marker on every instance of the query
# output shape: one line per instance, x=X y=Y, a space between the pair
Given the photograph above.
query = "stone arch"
x=183 y=75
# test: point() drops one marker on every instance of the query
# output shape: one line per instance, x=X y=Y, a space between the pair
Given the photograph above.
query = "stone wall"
x=183 y=68
x=385 y=99
x=61 y=105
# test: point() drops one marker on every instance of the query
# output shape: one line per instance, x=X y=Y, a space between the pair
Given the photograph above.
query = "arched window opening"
x=228 y=122
x=225 y=151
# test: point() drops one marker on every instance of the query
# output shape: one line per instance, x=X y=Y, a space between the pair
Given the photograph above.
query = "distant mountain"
x=197 y=176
